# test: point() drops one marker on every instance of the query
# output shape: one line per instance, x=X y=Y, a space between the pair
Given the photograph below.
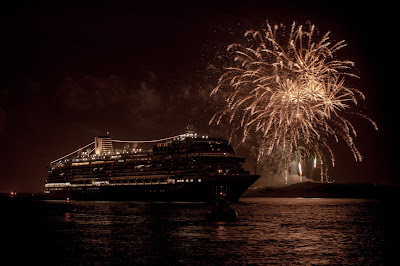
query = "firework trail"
x=288 y=87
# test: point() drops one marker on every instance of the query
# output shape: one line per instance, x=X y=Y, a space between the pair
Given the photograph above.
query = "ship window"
x=199 y=180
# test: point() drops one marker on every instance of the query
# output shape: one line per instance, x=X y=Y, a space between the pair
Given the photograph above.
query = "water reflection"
x=283 y=231
x=67 y=217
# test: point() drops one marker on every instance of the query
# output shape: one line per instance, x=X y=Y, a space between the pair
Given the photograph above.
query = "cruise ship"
x=188 y=167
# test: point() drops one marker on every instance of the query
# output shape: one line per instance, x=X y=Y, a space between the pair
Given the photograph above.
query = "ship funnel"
x=102 y=144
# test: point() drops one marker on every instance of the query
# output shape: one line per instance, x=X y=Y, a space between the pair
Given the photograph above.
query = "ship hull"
x=185 y=192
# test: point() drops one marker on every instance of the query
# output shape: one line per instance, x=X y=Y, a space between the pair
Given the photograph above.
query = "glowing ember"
x=289 y=88
x=300 y=171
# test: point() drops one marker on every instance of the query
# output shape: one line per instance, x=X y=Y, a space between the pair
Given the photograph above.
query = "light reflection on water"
x=269 y=230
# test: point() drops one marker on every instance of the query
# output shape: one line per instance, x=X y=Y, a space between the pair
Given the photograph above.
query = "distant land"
x=327 y=190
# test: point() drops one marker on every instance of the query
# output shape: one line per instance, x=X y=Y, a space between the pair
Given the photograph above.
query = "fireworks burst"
x=290 y=88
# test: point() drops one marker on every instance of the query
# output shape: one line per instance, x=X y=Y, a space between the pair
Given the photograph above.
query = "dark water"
x=269 y=231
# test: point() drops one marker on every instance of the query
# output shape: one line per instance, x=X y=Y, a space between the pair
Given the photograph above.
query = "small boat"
x=221 y=210
x=68 y=206
x=222 y=215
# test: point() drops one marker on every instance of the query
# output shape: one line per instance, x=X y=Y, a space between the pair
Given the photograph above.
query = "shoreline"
x=328 y=190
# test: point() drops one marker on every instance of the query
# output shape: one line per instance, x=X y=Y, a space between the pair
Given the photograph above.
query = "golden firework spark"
x=290 y=88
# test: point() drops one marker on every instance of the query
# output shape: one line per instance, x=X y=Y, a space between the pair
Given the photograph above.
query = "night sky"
x=72 y=71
